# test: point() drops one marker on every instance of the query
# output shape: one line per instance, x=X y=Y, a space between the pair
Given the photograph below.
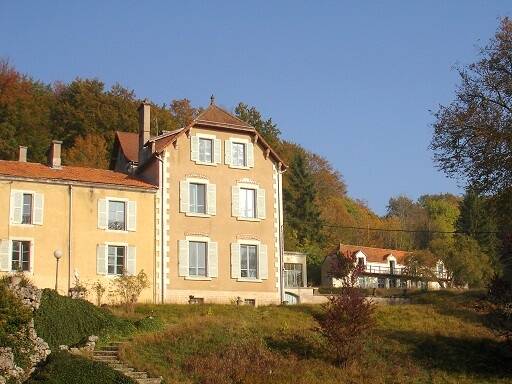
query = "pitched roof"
x=129 y=144
x=71 y=174
x=375 y=255
x=217 y=115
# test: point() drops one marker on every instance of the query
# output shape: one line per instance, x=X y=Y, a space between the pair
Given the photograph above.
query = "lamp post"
x=57 y=254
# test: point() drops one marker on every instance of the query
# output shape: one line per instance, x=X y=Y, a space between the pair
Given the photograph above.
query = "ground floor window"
x=392 y=283
x=293 y=275
x=381 y=282
x=197 y=258
x=403 y=283
x=20 y=255
x=116 y=259
x=248 y=261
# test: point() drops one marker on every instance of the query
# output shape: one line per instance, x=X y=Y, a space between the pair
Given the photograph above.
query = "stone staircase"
x=109 y=355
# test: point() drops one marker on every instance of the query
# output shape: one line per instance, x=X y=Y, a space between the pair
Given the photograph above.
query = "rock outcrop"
x=32 y=348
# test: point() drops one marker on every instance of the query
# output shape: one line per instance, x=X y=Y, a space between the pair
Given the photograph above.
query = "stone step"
x=149 y=381
x=100 y=352
x=109 y=348
x=105 y=358
x=123 y=368
x=137 y=375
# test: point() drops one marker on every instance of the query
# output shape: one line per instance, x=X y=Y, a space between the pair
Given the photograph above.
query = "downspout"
x=70 y=223
x=281 y=230
x=162 y=232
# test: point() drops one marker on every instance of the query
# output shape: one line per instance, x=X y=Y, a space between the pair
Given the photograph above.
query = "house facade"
x=219 y=208
x=100 y=221
x=381 y=268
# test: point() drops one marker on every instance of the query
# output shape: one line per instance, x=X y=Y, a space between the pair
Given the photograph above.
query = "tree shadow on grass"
x=469 y=355
x=303 y=347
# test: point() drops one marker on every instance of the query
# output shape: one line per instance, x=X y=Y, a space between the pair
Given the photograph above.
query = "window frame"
x=125 y=203
x=21 y=251
x=242 y=211
x=196 y=275
x=244 y=160
x=205 y=197
x=125 y=258
x=31 y=214
x=248 y=269
x=211 y=140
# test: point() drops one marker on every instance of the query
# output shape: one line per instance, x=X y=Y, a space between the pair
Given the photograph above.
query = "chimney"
x=23 y=154
x=54 y=155
x=144 y=128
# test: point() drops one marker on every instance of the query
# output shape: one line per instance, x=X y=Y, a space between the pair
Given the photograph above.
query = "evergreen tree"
x=477 y=219
x=301 y=210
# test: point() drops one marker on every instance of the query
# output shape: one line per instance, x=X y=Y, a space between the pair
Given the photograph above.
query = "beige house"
x=101 y=221
x=198 y=209
x=219 y=208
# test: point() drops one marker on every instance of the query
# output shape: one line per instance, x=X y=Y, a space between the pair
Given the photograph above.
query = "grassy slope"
x=439 y=339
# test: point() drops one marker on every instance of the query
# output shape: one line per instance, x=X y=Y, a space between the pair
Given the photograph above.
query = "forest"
x=466 y=232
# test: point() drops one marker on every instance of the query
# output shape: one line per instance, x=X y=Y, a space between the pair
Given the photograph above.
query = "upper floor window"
x=20 y=259
x=26 y=215
x=26 y=207
x=360 y=261
x=248 y=261
x=117 y=215
x=205 y=150
x=197 y=198
x=248 y=202
x=197 y=258
x=238 y=153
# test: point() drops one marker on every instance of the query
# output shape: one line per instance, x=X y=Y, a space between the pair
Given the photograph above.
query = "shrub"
x=62 y=320
x=64 y=368
x=99 y=289
x=127 y=288
x=347 y=319
x=500 y=293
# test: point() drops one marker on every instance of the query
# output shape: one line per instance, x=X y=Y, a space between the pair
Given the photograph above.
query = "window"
x=238 y=154
x=360 y=261
x=381 y=282
x=116 y=260
x=248 y=261
x=116 y=215
x=20 y=255
x=205 y=150
x=391 y=267
x=197 y=258
x=293 y=275
x=392 y=283
x=197 y=198
x=26 y=216
x=361 y=281
x=247 y=202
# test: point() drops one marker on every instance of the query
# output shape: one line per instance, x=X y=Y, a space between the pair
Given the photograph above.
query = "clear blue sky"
x=353 y=82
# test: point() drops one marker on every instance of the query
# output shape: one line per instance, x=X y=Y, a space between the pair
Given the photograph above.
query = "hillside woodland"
x=319 y=213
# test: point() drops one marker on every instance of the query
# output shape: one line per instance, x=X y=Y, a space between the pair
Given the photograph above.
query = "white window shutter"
x=235 y=260
x=212 y=199
x=102 y=214
x=38 y=208
x=227 y=152
x=183 y=257
x=101 y=259
x=184 y=196
x=194 y=148
x=262 y=262
x=5 y=257
x=131 y=261
x=261 y=203
x=217 y=151
x=235 y=201
x=16 y=207
x=131 y=224
x=213 y=269
x=250 y=155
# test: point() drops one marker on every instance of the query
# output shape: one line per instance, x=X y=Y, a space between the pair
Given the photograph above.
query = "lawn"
x=442 y=337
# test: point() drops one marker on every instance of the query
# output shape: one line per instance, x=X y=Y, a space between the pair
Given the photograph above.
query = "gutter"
x=70 y=224
x=281 y=230
x=162 y=231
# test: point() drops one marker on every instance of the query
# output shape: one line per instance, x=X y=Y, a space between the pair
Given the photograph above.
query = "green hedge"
x=62 y=320
x=64 y=368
